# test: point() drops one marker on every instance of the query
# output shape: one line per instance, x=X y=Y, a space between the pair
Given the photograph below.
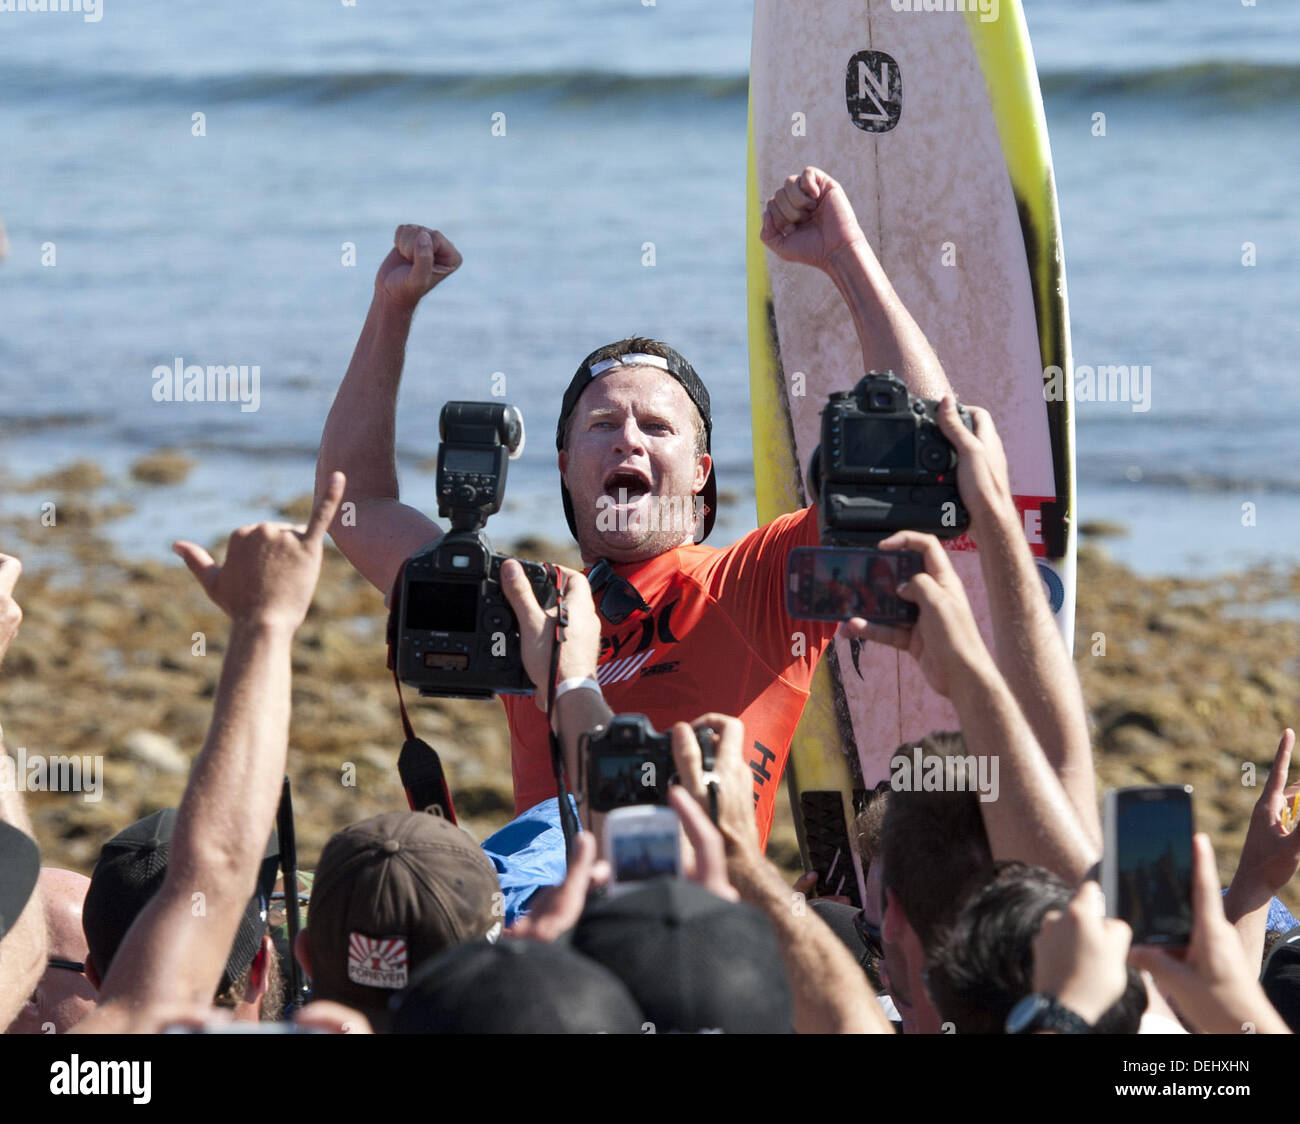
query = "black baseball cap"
x=20 y=866
x=130 y=871
x=628 y=353
x=515 y=987
x=693 y=961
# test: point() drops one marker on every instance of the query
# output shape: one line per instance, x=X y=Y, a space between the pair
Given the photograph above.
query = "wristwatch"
x=1043 y=1012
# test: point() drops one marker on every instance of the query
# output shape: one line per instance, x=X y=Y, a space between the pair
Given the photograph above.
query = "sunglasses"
x=620 y=598
x=869 y=934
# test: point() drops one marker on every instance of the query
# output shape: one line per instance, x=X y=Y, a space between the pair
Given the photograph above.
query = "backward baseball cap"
x=390 y=893
x=131 y=869
x=630 y=353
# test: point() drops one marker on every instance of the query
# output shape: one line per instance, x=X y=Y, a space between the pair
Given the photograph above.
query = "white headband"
x=631 y=359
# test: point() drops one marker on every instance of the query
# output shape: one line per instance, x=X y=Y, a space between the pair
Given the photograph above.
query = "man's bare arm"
x=810 y=220
x=378 y=533
x=23 y=946
x=1030 y=818
x=178 y=946
x=828 y=988
x=1030 y=652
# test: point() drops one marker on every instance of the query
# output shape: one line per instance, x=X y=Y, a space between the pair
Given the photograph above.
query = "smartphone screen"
x=1149 y=862
x=831 y=583
x=642 y=843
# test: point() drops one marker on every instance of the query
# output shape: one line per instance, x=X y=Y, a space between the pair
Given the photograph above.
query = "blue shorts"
x=529 y=854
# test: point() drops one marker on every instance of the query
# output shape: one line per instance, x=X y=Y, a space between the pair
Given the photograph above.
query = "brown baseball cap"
x=390 y=893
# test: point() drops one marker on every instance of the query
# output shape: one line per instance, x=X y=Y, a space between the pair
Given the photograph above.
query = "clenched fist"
x=810 y=219
x=419 y=260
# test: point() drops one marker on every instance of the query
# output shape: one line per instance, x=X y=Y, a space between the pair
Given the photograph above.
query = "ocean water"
x=328 y=125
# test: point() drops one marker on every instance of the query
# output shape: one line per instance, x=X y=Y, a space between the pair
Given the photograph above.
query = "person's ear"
x=562 y=460
x=92 y=973
x=894 y=924
x=702 y=469
x=302 y=952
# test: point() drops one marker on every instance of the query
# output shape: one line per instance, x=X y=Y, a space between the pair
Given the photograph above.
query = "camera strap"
x=418 y=765
x=568 y=818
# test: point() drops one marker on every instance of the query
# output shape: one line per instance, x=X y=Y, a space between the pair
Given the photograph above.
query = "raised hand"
x=419 y=260
x=945 y=638
x=809 y=219
x=11 y=616
x=270 y=571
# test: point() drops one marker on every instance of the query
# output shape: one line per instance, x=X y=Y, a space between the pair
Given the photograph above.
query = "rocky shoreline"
x=1186 y=681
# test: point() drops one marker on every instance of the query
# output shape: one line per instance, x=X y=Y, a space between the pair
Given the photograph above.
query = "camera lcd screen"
x=469 y=460
x=643 y=856
x=1154 y=843
x=442 y=606
x=623 y=780
x=879 y=443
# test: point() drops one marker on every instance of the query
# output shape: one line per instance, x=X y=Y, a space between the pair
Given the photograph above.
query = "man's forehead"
x=634 y=386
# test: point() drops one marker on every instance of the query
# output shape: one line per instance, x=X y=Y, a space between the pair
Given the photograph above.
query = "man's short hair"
x=985 y=965
x=935 y=848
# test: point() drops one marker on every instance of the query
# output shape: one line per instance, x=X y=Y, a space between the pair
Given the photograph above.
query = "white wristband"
x=577 y=683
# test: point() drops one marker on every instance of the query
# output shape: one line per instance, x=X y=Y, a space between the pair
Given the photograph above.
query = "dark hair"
x=985 y=965
x=646 y=346
x=934 y=845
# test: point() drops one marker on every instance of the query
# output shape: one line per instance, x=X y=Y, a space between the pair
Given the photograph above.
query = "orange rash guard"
x=717 y=639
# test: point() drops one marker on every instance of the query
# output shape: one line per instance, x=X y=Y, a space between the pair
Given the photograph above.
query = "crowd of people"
x=980 y=915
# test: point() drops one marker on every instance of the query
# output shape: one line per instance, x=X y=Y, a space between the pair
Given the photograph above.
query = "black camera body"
x=452 y=633
x=884 y=465
x=629 y=762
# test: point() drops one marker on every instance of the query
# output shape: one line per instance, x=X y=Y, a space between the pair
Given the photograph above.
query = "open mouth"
x=626 y=485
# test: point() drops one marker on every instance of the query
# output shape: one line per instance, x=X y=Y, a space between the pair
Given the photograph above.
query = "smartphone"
x=1146 y=864
x=642 y=842
x=834 y=583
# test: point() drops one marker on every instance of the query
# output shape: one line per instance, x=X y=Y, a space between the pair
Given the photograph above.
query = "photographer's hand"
x=1028 y=646
x=829 y=990
x=270 y=571
x=11 y=615
x=1080 y=955
x=945 y=641
x=556 y=909
x=420 y=260
x=1270 y=856
x=1028 y=816
x=581 y=645
x=1216 y=988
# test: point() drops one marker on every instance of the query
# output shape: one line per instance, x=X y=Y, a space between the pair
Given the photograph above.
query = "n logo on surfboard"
x=873 y=89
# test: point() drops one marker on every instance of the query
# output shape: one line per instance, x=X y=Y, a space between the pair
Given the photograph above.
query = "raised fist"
x=419 y=260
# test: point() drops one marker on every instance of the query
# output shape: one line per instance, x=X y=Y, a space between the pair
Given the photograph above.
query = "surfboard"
x=933 y=123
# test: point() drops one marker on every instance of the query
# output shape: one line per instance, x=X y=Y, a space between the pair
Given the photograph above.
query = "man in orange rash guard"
x=686 y=629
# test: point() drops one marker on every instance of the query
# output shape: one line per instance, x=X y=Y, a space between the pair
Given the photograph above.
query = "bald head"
x=63 y=997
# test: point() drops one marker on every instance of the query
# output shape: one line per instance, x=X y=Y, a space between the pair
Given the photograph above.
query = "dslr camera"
x=452 y=633
x=884 y=465
x=629 y=763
